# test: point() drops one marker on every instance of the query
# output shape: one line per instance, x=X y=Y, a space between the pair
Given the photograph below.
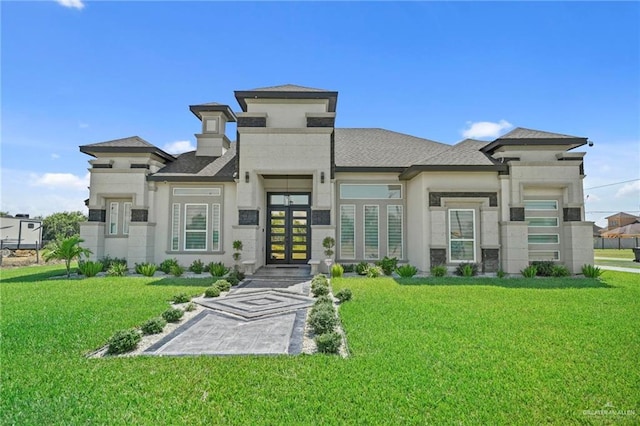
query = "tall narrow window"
x=195 y=226
x=175 y=227
x=371 y=240
x=113 y=218
x=394 y=231
x=462 y=236
x=347 y=232
x=127 y=218
x=215 y=225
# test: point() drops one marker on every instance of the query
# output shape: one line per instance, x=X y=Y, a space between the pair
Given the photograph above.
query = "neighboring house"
x=291 y=178
x=597 y=230
x=620 y=219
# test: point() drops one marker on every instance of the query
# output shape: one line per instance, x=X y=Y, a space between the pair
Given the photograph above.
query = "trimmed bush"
x=117 y=270
x=90 y=269
x=107 y=261
x=166 y=265
x=374 y=271
x=319 y=280
x=337 y=270
x=388 y=264
x=438 y=271
x=350 y=267
x=153 y=326
x=239 y=276
x=217 y=269
x=177 y=270
x=406 y=271
x=223 y=285
x=530 y=271
x=560 y=271
x=173 y=314
x=212 y=292
x=544 y=267
x=190 y=307
x=323 y=320
x=196 y=266
x=325 y=298
x=146 y=269
x=320 y=290
x=500 y=273
x=181 y=298
x=591 y=271
x=123 y=341
x=467 y=270
x=361 y=268
x=329 y=343
x=233 y=281
x=344 y=295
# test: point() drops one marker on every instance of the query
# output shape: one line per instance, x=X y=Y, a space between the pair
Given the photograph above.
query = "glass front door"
x=288 y=230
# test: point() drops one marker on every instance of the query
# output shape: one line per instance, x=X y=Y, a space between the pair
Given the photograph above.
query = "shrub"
x=344 y=295
x=361 y=268
x=320 y=290
x=196 y=266
x=239 y=276
x=350 y=267
x=123 y=341
x=319 y=280
x=233 y=281
x=177 y=270
x=388 y=264
x=166 y=265
x=223 y=285
x=323 y=320
x=591 y=271
x=406 y=271
x=212 y=292
x=172 y=314
x=467 y=269
x=117 y=269
x=153 y=326
x=107 y=261
x=89 y=269
x=328 y=244
x=337 y=270
x=180 y=298
x=544 y=267
x=146 y=269
x=560 y=271
x=530 y=271
x=190 y=307
x=500 y=273
x=325 y=298
x=217 y=269
x=439 y=271
x=374 y=271
x=329 y=343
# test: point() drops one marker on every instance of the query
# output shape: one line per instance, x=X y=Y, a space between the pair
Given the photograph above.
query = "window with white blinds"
x=462 y=235
x=394 y=231
x=195 y=229
x=215 y=225
x=347 y=232
x=127 y=218
x=371 y=229
x=175 y=227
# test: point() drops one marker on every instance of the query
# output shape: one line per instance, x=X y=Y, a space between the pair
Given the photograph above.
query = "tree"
x=67 y=250
x=5 y=214
x=59 y=226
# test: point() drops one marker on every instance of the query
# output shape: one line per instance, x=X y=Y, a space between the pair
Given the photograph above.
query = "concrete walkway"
x=264 y=315
x=619 y=269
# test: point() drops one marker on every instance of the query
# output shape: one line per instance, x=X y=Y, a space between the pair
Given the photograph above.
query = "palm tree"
x=67 y=250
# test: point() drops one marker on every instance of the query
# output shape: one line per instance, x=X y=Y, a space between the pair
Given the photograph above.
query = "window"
x=113 y=218
x=370 y=191
x=542 y=215
x=127 y=218
x=462 y=235
x=207 y=192
x=394 y=231
x=195 y=229
x=175 y=227
x=371 y=241
x=211 y=125
x=540 y=205
x=540 y=222
x=544 y=238
x=215 y=225
x=347 y=232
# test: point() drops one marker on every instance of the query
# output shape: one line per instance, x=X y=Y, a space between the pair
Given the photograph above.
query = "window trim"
x=206 y=230
x=126 y=218
x=401 y=230
x=528 y=219
x=541 y=209
x=111 y=216
x=354 y=231
x=372 y=184
x=473 y=219
x=364 y=231
x=175 y=227
x=545 y=234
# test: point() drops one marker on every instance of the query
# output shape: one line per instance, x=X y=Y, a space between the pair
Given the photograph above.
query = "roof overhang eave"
x=413 y=171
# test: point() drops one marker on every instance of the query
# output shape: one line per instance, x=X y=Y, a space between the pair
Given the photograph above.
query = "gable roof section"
x=287 y=91
x=521 y=136
x=191 y=168
x=379 y=149
x=132 y=144
x=621 y=215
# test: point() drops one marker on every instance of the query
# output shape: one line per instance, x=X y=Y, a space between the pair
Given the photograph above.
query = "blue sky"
x=76 y=72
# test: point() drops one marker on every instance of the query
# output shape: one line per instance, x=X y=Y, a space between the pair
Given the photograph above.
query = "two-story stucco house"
x=291 y=178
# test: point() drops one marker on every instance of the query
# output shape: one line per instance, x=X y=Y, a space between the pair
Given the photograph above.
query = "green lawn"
x=619 y=254
x=485 y=351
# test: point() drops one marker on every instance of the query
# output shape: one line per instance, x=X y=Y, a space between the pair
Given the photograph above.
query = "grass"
x=453 y=350
x=619 y=254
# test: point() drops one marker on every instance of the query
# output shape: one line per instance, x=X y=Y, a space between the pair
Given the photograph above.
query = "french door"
x=288 y=228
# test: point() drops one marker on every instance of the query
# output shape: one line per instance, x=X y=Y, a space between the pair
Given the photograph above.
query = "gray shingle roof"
x=287 y=88
x=188 y=166
x=381 y=148
x=522 y=133
x=132 y=144
x=465 y=153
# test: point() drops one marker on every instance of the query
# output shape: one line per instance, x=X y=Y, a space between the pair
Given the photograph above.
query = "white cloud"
x=485 y=129
x=82 y=125
x=631 y=189
x=60 y=181
x=73 y=4
x=55 y=156
x=178 y=147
